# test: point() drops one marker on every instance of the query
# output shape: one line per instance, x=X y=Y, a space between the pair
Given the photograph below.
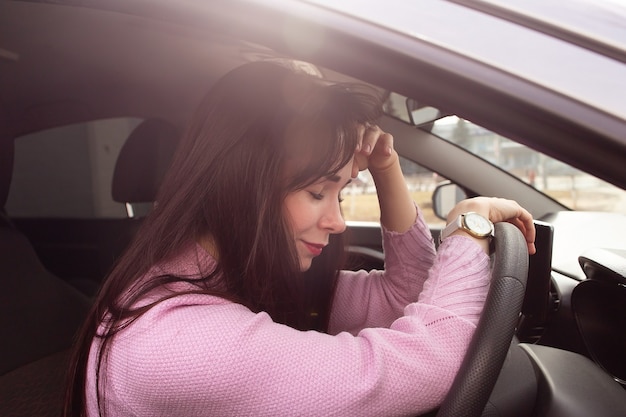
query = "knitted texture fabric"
x=397 y=338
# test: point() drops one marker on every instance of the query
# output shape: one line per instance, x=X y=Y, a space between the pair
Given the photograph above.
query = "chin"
x=305 y=265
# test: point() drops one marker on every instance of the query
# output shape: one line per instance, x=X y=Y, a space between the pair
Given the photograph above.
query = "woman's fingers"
x=374 y=149
x=528 y=230
x=515 y=214
x=376 y=141
x=370 y=139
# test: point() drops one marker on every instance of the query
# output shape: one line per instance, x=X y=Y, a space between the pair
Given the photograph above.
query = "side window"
x=360 y=202
x=571 y=187
x=66 y=172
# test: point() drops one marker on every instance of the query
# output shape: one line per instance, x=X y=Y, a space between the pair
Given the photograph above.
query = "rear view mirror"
x=422 y=115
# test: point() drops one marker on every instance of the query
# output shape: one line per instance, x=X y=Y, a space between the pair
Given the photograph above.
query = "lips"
x=314 y=248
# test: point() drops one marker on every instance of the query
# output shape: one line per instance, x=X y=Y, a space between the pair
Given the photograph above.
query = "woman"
x=207 y=312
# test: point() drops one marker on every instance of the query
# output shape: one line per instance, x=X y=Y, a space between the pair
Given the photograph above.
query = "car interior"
x=44 y=312
x=39 y=317
x=143 y=74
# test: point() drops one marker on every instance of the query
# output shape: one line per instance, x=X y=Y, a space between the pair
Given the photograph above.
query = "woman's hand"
x=374 y=151
x=499 y=210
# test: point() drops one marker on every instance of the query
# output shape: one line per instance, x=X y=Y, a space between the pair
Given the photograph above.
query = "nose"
x=332 y=219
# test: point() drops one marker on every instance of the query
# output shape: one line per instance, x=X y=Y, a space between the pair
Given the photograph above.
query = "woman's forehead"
x=342 y=177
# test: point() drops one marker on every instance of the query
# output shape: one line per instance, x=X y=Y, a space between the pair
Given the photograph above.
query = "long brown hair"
x=263 y=131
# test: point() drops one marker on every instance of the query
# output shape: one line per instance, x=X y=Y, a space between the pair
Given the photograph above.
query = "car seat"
x=39 y=316
x=141 y=165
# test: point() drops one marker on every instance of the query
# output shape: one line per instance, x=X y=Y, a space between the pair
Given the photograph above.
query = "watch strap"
x=450 y=228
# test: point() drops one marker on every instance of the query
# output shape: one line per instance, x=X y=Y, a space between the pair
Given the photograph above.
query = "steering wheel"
x=488 y=348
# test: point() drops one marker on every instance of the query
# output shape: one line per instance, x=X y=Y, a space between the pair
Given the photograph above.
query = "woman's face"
x=314 y=214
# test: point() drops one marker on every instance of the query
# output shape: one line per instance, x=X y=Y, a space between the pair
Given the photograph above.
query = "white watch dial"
x=477 y=223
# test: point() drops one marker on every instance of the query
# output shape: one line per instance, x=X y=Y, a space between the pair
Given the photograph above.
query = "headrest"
x=143 y=161
x=6 y=169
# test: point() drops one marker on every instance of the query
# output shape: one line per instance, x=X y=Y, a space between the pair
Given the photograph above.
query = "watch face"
x=477 y=224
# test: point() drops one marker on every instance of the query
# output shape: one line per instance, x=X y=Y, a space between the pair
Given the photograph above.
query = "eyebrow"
x=337 y=178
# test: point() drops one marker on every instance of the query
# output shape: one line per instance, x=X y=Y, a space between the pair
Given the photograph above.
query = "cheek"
x=299 y=211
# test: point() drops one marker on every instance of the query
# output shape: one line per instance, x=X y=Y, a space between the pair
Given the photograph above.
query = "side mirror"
x=445 y=197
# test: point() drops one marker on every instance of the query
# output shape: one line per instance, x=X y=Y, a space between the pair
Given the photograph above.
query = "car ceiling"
x=106 y=64
x=102 y=64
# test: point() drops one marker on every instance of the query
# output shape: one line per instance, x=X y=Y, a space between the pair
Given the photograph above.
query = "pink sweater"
x=198 y=355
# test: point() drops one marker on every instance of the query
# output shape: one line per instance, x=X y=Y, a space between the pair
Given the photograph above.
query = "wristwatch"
x=474 y=224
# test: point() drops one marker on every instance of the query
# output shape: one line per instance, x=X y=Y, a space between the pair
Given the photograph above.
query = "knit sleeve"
x=376 y=298
x=199 y=355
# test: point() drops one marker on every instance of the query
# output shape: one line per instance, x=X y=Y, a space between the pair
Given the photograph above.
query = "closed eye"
x=317 y=196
